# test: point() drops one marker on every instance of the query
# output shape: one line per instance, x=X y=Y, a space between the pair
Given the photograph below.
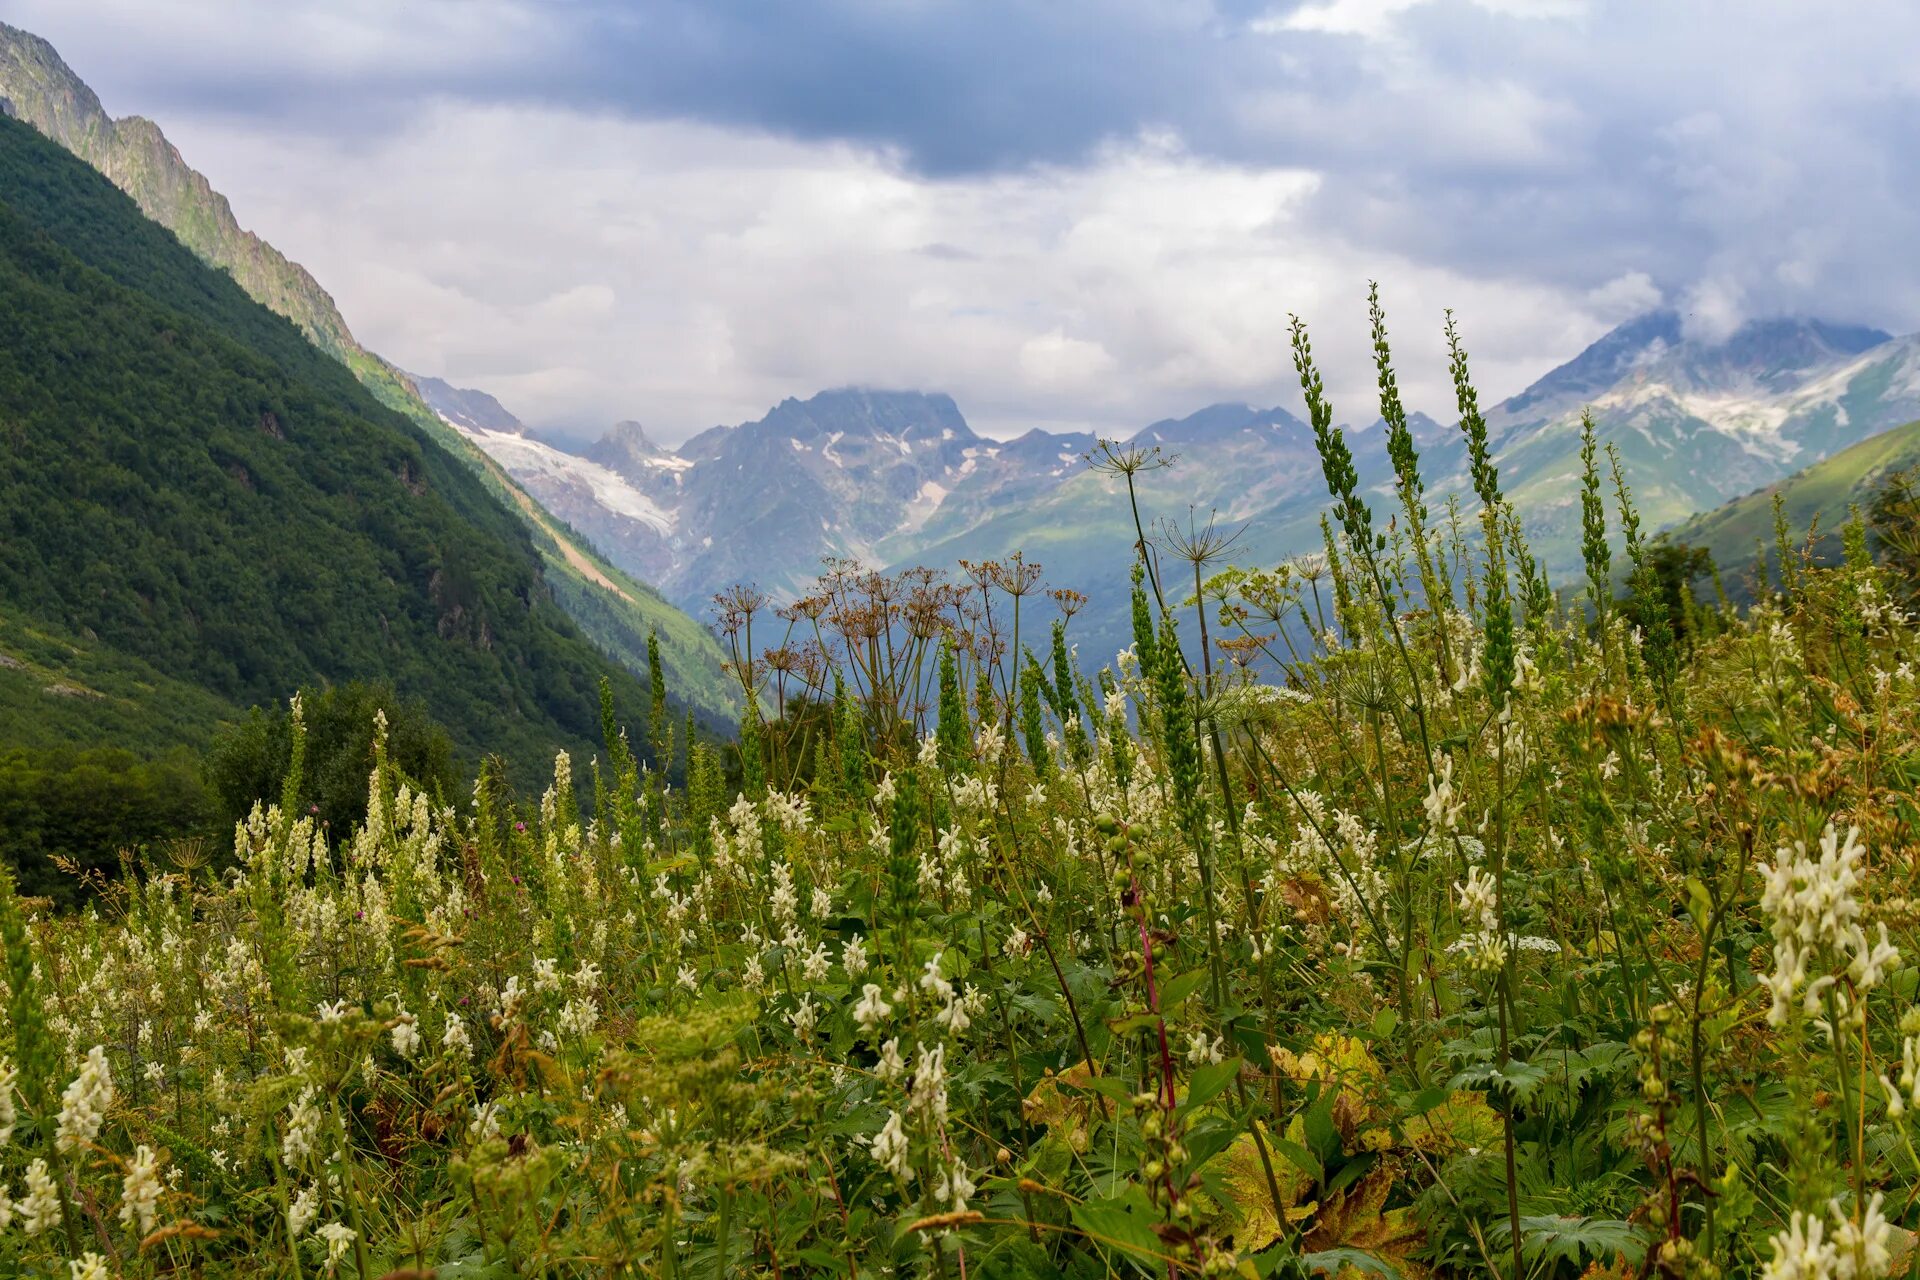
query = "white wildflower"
x=871 y=1010
x=1816 y=923
x=931 y=981
x=814 y=964
x=303 y=1128
x=1443 y=810
x=1201 y=1050
x=955 y=1188
x=9 y=1115
x=484 y=1124
x=84 y=1104
x=406 y=1036
x=41 y=1209
x=579 y=1017
x=803 y=1018
x=954 y=1017
x=457 y=1043
x=853 y=956
x=889 y=1148
x=140 y=1190
x=90 y=1266
x=339 y=1237
x=304 y=1209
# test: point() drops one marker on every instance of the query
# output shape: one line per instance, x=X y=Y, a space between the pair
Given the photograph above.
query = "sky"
x=1065 y=214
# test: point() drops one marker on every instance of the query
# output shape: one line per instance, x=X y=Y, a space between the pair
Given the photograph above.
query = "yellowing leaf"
x=1249 y=1197
x=1065 y=1115
x=1357 y=1219
x=1341 y=1061
x=1463 y=1121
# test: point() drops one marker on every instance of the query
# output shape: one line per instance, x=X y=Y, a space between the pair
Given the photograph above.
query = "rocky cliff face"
x=137 y=157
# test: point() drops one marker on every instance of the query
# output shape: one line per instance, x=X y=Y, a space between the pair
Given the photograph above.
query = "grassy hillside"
x=1821 y=493
x=189 y=487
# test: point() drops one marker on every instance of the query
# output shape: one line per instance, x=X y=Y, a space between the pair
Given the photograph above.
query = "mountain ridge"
x=132 y=152
x=238 y=515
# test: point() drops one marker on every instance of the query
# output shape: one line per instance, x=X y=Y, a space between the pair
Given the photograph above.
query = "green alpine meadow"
x=1446 y=806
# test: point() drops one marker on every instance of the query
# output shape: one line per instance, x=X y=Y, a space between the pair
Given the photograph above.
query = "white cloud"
x=1069 y=214
x=114 y=42
x=1379 y=19
x=587 y=268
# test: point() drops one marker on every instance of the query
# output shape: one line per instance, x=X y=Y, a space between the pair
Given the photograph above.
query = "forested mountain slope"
x=617 y=611
x=197 y=501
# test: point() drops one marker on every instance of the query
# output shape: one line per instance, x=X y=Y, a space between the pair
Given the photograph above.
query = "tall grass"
x=1391 y=911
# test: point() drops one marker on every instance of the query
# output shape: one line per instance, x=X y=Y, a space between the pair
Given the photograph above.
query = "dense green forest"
x=201 y=512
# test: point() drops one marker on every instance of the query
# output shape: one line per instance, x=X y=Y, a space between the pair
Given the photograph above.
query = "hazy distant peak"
x=1768 y=353
x=1218 y=423
x=629 y=431
x=868 y=411
x=467 y=407
x=627 y=449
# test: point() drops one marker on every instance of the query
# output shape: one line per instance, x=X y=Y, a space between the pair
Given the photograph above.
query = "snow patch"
x=923 y=504
x=527 y=459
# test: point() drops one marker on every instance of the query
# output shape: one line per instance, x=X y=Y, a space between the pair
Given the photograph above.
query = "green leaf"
x=1350 y=1172
x=1323 y=1137
x=1699 y=903
x=1105 y=1086
x=1300 y=1158
x=1174 y=991
x=1123 y=1225
x=1207 y=1082
x=1550 y=1237
x=1209 y=1138
x=1133 y=1023
x=1331 y=1261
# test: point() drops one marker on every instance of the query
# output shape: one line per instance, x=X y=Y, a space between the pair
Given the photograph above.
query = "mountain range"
x=635 y=537
x=893 y=478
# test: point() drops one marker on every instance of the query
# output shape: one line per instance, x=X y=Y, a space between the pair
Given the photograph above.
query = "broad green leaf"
x=1208 y=1081
x=1175 y=991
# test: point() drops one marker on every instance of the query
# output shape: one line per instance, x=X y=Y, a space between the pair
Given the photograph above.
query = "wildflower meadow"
x=1392 y=911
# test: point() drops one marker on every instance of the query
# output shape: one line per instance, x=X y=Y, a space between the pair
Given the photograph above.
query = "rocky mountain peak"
x=864 y=412
x=1772 y=353
x=627 y=449
x=1635 y=344
x=1761 y=357
x=42 y=90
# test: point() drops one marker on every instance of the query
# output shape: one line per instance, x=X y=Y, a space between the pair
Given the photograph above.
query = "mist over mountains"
x=893 y=478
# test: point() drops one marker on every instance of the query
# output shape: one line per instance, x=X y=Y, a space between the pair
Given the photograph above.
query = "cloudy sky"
x=1065 y=213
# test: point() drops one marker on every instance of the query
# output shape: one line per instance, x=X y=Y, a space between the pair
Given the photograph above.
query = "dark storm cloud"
x=1554 y=164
